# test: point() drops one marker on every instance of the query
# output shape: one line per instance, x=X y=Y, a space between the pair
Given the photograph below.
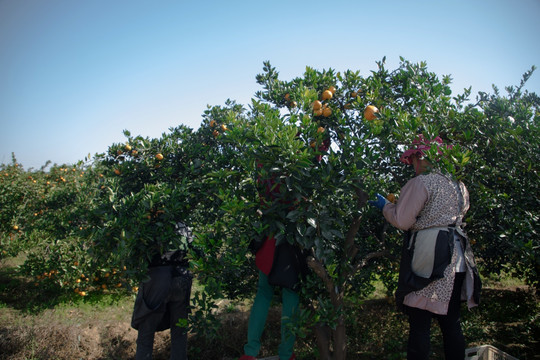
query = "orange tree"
x=331 y=140
x=503 y=133
x=45 y=211
x=151 y=184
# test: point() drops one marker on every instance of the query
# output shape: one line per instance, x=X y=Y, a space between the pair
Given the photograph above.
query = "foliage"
x=299 y=164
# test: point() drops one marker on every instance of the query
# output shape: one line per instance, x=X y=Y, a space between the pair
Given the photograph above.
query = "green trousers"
x=259 y=312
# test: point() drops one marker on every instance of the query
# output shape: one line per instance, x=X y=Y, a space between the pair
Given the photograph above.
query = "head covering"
x=419 y=147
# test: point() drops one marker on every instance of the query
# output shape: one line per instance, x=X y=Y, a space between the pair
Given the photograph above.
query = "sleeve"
x=412 y=199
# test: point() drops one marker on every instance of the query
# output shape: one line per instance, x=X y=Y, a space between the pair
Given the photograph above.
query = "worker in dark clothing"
x=163 y=300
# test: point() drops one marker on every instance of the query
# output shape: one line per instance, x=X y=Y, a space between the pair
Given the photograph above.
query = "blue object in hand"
x=379 y=203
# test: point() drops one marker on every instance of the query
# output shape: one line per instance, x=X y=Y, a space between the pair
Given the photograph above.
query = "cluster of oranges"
x=128 y=150
x=83 y=284
x=321 y=108
x=291 y=104
x=214 y=125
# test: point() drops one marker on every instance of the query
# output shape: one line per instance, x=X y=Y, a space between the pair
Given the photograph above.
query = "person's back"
x=163 y=299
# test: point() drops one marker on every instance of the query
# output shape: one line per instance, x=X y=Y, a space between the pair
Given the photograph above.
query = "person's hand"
x=379 y=203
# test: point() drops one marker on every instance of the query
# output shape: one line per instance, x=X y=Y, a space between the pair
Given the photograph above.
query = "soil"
x=508 y=319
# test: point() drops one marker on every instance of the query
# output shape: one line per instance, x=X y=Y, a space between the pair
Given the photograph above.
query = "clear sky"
x=75 y=73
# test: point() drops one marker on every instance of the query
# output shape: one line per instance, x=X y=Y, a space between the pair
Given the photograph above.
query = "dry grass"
x=37 y=325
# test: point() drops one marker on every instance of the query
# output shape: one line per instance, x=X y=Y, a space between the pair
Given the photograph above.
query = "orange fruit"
x=82 y=293
x=332 y=89
x=104 y=286
x=318 y=112
x=117 y=172
x=354 y=94
x=327 y=112
x=159 y=156
x=128 y=147
x=313 y=144
x=320 y=130
x=287 y=97
x=327 y=95
x=15 y=227
x=212 y=123
x=317 y=105
x=369 y=112
x=224 y=127
x=391 y=197
x=215 y=133
x=293 y=104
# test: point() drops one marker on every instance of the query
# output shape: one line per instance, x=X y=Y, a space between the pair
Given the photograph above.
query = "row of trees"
x=329 y=141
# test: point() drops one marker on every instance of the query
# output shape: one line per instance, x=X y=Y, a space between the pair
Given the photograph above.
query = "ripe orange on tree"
x=159 y=156
x=117 y=171
x=332 y=89
x=317 y=105
x=320 y=130
x=212 y=123
x=224 y=127
x=327 y=112
x=327 y=95
x=369 y=112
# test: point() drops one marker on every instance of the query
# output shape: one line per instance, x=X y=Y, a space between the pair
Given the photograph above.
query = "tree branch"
x=319 y=269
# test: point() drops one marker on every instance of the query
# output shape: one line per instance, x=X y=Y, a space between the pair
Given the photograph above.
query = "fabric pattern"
x=443 y=205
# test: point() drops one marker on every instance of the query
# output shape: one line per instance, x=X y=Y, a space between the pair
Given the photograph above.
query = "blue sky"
x=75 y=73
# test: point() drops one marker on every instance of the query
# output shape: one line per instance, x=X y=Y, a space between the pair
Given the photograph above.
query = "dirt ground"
x=88 y=339
x=508 y=318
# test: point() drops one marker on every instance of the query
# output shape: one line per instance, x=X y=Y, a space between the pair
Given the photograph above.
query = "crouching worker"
x=163 y=300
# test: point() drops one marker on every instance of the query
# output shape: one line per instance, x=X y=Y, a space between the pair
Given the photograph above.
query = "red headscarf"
x=419 y=146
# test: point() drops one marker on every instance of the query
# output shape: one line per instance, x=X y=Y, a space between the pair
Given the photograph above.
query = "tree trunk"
x=332 y=344
x=323 y=334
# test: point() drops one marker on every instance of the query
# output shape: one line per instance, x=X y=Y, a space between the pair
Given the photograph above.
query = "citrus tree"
x=321 y=144
x=329 y=141
x=45 y=212
x=503 y=135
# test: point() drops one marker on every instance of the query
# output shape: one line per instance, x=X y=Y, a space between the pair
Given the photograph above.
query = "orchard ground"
x=38 y=325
